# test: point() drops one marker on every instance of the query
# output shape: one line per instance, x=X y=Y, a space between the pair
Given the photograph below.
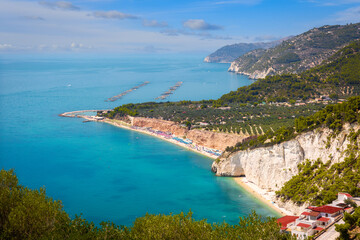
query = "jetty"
x=114 y=98
x=81 y=114
x=170 y=91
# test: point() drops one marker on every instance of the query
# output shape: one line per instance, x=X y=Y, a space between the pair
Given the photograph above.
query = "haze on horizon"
x=159 y=26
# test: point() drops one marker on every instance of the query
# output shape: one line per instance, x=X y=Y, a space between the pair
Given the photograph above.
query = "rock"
x=204 y=138
x=270 y=167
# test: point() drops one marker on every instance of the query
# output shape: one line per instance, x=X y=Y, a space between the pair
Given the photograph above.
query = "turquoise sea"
x=104 y=172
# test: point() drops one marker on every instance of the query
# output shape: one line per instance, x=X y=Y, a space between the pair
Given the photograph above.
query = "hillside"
x=267 y=104
x=297 y=54
x=338 y=76
x=229 y=53
x=307 y=163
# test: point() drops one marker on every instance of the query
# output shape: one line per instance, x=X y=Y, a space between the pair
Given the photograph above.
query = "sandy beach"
x=260 y=194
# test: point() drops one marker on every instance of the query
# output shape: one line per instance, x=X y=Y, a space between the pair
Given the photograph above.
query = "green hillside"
x=249 y=110
x=298 y=53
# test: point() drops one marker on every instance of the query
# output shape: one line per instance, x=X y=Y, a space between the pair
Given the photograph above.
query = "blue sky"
x=163 y=26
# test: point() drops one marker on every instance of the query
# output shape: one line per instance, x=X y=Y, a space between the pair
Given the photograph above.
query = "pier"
x=79 y=113
x=114 y=98
x=170 y=91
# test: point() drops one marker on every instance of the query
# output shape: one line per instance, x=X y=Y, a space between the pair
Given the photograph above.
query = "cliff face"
x=298 y=53
x=201 y=137
x=270 y=167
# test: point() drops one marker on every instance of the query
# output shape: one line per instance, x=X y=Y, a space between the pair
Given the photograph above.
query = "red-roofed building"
x=328 y=211
x=303 y=225
x=305 y=213
x=286 y=221
x=344 y=196
x=303 y=229
x=323 y=221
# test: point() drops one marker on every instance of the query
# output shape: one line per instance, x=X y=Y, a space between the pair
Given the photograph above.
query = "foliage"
x=335 y=76
x=351 y=221
x=332 y=116
x=318 y=183
x=30 y=214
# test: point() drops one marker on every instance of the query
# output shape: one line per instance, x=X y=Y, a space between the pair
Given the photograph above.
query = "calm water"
x=102 y=171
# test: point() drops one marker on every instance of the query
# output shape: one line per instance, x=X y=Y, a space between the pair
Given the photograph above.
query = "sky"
x=160 y=26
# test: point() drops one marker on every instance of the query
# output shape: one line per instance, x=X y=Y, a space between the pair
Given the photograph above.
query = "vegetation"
x=332 y=116
x=340 y=75
x=231 y=52
x=30 y=214
x=318 y=183
x=261 y=108
x=299 y=53
x=351 y=228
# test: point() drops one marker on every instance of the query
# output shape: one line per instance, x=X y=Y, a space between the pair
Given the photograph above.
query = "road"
x=331 y=234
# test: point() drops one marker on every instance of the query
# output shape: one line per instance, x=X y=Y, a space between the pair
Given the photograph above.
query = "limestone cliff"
x=201 y=137
x=270 y=167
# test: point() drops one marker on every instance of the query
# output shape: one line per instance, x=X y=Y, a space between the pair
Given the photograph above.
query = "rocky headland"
x=298 y=53
x=270 y=167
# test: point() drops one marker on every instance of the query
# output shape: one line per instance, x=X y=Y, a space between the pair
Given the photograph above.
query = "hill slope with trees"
x=297 y=54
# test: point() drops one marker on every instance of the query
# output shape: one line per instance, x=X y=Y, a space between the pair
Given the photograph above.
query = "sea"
x=100 y=171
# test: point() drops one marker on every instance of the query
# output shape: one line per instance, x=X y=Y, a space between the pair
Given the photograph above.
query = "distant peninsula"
x=297 y=54
x=229 y=53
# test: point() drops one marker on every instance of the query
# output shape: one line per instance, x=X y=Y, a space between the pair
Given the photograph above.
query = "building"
x=315 y=219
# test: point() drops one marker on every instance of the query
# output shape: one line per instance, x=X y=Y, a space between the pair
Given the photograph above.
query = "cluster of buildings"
x=315 y=219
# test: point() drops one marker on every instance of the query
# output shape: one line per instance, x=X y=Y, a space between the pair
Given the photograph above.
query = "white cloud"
x=63 y=5
x=113 y=15
x=350 y=15
x=154 y=23
x=202 y=35
x=5 y=46
x=62 y=28
x=200 y=24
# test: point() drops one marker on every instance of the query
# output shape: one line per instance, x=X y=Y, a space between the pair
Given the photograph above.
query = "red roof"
x=283 y=228
x=303 y=225
x=346 y=194
x=326 y=209
x=305 y=213
x=319 y=229
x=284 y=221
x=323 y=219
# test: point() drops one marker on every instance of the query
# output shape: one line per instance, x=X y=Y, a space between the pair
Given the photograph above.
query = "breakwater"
x=114 y=98
x=170 y=91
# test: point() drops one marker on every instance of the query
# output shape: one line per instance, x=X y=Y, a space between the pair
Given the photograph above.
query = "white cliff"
x=270 y=167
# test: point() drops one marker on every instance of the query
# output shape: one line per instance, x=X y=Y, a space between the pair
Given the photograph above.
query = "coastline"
x=258 y=193
x=122 y=124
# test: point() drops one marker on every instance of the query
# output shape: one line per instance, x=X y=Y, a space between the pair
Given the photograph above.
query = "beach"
x=118 y=123
x=262 y=195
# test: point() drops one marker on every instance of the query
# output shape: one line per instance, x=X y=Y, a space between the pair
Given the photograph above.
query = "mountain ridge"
x=298 y=53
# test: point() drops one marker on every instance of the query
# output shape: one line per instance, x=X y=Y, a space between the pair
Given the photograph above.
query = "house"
x=344 y=196
x=328 y=211
x=315 y=219
x=286 y=222
x=303 y=230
